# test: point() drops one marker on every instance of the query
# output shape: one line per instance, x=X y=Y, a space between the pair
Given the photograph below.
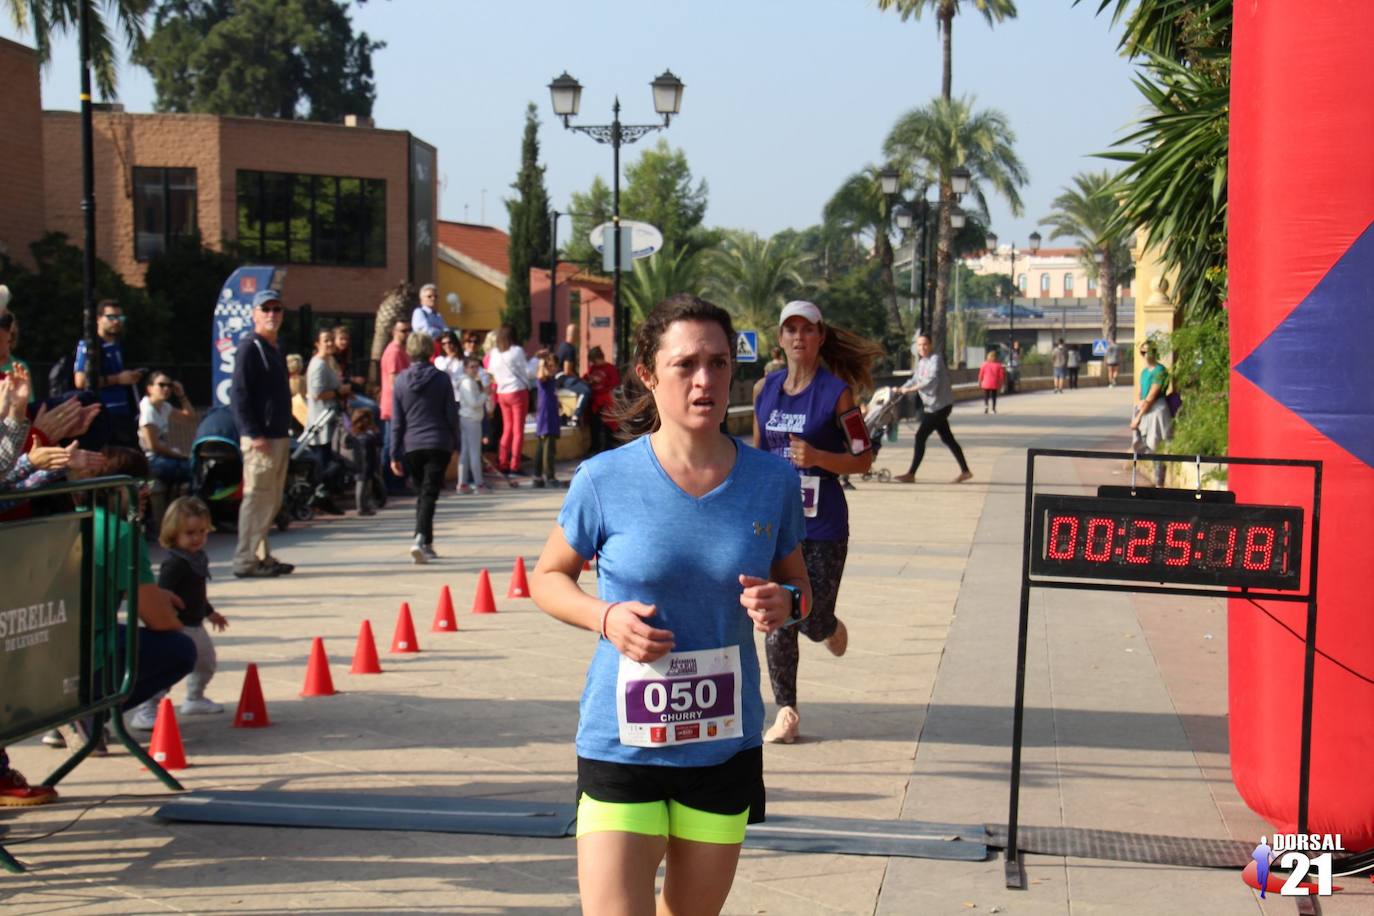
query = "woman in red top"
x=992 y=375
x=604 y=379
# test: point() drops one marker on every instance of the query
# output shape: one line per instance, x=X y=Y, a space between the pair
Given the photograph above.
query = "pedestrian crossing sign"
x=1100 y=346
x=747 y=347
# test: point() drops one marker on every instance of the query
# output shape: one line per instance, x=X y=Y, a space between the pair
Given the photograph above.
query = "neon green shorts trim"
x=660 y=818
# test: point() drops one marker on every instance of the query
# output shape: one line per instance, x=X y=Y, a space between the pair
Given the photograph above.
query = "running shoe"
x=417 y=550
x=838 y=641
x=429 y=552
x=785 y=727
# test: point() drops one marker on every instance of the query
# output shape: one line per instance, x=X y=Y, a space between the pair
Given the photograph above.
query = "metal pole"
x=553 y=274
x=622 y=358
x=1011 y=303
x=1013 y=873
x=93 y=352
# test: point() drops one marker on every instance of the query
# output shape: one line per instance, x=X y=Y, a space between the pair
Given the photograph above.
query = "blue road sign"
x=1100 y=346
x=747 y=347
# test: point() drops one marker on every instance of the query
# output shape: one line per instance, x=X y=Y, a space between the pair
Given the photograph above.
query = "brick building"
x=348 y=209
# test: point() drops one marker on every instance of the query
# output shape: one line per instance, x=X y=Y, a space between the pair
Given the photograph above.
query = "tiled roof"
x=481 y=243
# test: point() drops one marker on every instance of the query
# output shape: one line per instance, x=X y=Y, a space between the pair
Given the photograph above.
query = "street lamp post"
x=1011 y=302
x=905 y=213
x=566 y=94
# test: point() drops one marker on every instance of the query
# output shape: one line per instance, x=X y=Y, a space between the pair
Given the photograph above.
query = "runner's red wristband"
x=604 y=614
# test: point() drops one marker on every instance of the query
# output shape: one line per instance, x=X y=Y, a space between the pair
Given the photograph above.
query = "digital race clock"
x=1167 y=536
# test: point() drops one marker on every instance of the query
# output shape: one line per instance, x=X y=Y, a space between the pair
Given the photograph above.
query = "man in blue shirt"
x=116 y=393
x=426 y=318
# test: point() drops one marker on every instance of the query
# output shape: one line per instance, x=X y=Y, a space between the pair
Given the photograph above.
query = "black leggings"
x=427 y=467
x=825 y=567
x=936 y=422
x=989 y=397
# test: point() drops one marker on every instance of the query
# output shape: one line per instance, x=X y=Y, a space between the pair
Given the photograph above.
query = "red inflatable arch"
x=1301 y=307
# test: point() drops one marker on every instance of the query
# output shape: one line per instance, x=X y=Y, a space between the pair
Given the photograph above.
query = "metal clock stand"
x=1188 y=509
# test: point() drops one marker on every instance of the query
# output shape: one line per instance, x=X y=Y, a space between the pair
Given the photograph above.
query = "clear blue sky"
x=784 y=98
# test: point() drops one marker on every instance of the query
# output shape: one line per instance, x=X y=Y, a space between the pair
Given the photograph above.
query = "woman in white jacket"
x=511 y=380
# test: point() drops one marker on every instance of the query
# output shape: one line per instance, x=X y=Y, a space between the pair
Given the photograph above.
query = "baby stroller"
x=312 y=485
x=217 y=470
x=881 y=416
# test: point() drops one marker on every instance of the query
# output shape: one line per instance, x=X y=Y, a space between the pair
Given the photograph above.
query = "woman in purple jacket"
x=808 y=413
x=424 y=436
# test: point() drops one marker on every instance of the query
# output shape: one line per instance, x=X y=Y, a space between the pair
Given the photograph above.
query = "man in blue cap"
x=260 y=396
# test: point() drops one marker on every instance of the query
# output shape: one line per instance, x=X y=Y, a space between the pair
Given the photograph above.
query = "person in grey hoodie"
x=425 y=434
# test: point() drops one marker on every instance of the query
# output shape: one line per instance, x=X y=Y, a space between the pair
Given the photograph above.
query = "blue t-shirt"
x=810 y=415
x=113 y=397
x=656 y=544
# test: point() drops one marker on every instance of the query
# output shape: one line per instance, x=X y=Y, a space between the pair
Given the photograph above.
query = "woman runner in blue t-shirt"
x=697 y=539
x=800 y=414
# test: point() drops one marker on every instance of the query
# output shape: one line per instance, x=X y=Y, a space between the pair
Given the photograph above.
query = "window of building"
x=1092 y=286
x=1068 y=285
x=312 y=219
x=1044 y=284
x=164 y=208
x=1021 y=283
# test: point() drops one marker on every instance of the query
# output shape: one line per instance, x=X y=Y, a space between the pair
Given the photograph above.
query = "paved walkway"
x=1125 y=731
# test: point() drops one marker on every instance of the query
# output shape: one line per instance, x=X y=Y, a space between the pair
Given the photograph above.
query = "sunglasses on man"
x=271 y=309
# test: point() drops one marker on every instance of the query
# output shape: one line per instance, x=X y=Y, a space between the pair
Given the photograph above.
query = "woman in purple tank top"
x=800 y=414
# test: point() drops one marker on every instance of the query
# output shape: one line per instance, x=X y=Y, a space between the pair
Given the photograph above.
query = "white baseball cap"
x=807 y=310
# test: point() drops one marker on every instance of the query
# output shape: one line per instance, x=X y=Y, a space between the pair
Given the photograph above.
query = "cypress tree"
x=529 y=229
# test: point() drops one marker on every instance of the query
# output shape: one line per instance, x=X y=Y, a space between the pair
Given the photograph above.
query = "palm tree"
x=44 y=18
x=668 y=272
x=1086 y=212
x=930 y=143
x=993 y=11
x=860 y=208
x=750 y=276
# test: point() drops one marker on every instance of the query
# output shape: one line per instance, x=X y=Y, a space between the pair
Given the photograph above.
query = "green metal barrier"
x=67 y=575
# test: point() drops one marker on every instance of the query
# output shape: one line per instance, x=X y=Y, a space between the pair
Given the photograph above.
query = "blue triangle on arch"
x=1317 y=361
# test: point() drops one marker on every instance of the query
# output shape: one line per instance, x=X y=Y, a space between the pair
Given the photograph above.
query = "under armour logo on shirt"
x=763 y=528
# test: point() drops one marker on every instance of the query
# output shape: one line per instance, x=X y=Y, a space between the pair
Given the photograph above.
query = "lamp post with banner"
x=566 y=93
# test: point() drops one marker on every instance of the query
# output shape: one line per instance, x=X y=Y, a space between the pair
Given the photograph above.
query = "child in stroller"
x=217 y=470
x=881 y=416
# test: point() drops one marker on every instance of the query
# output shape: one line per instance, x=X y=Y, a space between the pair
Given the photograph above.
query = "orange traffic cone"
x=519 y=585
x=444 y=621
x=483 y=602
x=318 y=683
x=365 y=655
x=165 y=747
x=403 y=641
x=252 y=711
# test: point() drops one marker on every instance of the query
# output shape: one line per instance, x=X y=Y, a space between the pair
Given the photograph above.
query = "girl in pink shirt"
x=992 y=375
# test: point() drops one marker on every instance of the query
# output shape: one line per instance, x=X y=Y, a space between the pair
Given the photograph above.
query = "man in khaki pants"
x=260 y=397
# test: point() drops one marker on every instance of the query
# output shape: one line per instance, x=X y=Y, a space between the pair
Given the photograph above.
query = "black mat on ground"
x=855 y=837
x=1119 y=846
x=505 y=817
x=372 y=811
